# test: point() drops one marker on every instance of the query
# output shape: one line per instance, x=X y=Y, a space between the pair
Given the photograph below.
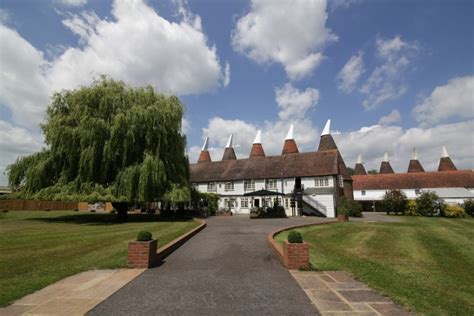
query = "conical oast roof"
x=327 y=142
x=445 y=163
x=359 y=169
x=290 y=147
x=415 y=165
x=257 y=148
x=385 y=166
x=204 y=156
x=229 y=153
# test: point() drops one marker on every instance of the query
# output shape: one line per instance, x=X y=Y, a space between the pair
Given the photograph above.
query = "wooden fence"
x=34 y=205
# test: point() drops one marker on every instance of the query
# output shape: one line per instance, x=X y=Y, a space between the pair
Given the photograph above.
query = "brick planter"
x=296 y=256
x=142 y=254
x=343 y=218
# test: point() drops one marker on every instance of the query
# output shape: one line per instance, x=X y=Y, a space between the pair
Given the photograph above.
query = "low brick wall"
x=277 y=249
x=142 y=254
x=296 y=255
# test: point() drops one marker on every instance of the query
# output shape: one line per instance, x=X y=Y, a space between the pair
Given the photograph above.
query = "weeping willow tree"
x=106 y=142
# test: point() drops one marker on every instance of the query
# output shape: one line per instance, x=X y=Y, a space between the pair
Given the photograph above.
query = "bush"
x=428 y=204
x=295 y=237
x=412 y=208
x=395 y=201
x=346 y=206
x=144 y=236
x=468 y=206
x=454 y=211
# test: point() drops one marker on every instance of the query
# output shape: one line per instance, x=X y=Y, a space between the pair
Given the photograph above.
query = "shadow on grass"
x=107 y=219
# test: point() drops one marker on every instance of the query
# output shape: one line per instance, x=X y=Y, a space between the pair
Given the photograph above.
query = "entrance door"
x=256 y=203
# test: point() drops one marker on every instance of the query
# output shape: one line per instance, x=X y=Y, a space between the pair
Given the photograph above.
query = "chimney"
x=204 y=156
x=415 y=165
x=257 y=149
x=385 y=166
x=445 y=163
x=290 y=145
x=359 y=169
x=327 y=142
x=229 y=153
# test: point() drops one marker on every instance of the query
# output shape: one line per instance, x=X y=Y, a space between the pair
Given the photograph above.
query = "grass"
x=40 y=248
x=424 y=263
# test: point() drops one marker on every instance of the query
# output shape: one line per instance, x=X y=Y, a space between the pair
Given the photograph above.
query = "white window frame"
x=229 y=186
x=244 y=202
x=211 y=187
x=271 y=184
x=362 y=192
x=341 y=181
x=249 y=185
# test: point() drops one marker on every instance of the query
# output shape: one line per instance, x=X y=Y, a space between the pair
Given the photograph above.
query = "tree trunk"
x=122 y=209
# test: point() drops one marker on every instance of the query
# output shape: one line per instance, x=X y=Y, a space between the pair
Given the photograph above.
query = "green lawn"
x=39 y=248
x=424 y=263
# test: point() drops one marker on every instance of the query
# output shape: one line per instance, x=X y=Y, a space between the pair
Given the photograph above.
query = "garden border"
x=167 y=249
x=279 y=249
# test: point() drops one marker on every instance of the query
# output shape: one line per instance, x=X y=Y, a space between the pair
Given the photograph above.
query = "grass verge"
x=40 y=248
x=423 y=263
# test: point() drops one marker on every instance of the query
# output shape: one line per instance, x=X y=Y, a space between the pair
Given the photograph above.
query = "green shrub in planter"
x=454 y=211
x=144 y=236
x=468 y=206
x=295 y=237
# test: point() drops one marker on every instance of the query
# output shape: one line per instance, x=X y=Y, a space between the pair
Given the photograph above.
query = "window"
x=271 y=184
x=229 y=186
x=286 y=203
x=211 y=187
x=244 y=202
x=326 y=182
x=363 y=192
x=417 y=191
x=195 y=185
x=321 y=182
x=341 y=181
x=249 y=185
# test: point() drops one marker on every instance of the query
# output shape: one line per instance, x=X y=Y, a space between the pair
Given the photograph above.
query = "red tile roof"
x=326 y=143
x=416 y=180
x=446 y=164
x=289 y=147
x=229 y=154
x=359 y=169
x=321 y=163
x=385 y=167
x=257 y=151
x=415 y=166
x=204 y=156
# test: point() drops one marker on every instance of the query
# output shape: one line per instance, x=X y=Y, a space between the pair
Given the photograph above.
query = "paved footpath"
x=226 y=269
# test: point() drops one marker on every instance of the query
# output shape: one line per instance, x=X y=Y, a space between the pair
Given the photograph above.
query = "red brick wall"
x=296 y=256
x=142 y=254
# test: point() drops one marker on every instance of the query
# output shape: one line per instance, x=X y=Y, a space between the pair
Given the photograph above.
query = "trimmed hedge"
x=295 y=237
x=144 y=236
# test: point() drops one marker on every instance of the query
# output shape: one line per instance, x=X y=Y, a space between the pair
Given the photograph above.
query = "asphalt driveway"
x=226 y=269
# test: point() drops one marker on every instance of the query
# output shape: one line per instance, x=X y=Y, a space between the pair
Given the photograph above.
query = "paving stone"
x=361 y=307
x=327 y=278
x=349 y=286
x=349 y=313
x=340 y=276
x=323 y=295
x=65 y=306
x=363 y=296
x=309 y=281
x=328 y=306
x=390 y=309
x=14 y=310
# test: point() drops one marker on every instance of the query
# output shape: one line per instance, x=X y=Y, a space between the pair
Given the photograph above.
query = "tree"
x=395 y=201
x=428 y=203
x=106 y=142
x=372 y=171
x=350 y=171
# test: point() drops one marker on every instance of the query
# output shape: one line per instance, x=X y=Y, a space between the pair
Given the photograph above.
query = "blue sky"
x=392 y=75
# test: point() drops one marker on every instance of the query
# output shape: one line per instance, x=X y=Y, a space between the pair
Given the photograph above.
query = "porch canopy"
x=263 y=193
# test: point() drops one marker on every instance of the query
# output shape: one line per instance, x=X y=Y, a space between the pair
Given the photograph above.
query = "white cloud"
x=71 y=3
x=387 y=81
x=392 y=117
x=291 y=33
x=4 y=16
x=137 y=46
x=226 y=80
x=24 y=89
x=293 y=103
x=373 y=141
x=140 y=48
x=350 y=73
x=336 y=4
x=455 y=99
x=14 y=142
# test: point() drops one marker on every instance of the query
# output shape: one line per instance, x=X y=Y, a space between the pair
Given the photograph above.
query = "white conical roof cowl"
x=229 y=142
x=290 y=133
x=258 y=137
x=414 y=154
x=359 y=159
x=327 y=127
x=205 y=146
x=385 y=157
x=444 y=152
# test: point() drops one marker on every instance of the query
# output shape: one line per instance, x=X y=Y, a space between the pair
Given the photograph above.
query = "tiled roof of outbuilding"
x=321 y=163
x=415 y=180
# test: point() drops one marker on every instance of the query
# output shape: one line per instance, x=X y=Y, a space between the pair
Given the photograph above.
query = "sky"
x=391 y=75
